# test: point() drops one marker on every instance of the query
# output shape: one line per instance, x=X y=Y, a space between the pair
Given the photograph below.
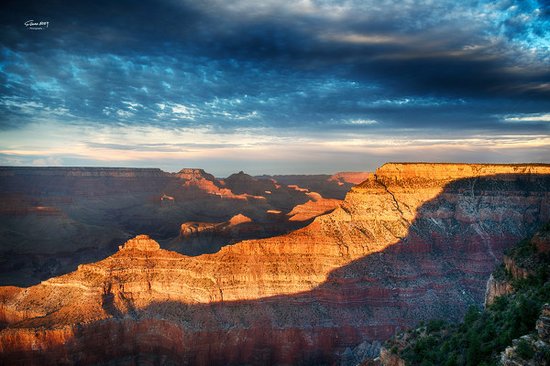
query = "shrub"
x=524 y=349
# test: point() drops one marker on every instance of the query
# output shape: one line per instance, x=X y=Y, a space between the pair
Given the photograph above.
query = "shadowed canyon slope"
x=52 y=219
x=412 y=242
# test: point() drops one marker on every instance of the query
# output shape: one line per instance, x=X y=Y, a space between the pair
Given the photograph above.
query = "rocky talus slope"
x=412 y=242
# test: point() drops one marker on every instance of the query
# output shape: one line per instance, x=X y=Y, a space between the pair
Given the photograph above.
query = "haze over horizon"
x=274 y=87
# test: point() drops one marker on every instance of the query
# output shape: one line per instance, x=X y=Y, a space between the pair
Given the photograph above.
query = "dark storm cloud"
x=90 y=27
x=321 y=66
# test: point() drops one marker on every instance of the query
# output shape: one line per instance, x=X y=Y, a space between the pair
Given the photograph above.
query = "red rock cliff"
x=413 y=242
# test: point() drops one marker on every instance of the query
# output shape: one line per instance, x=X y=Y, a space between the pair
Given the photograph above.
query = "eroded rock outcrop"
x=317 y=205
x=329 y=186
x=242 y=182
x=142 y=243
x=208 y=237
x=501 y=332
x=350 y=177
x=387 y=358
x=197 y=182
x=413 y=242
x=496 y=287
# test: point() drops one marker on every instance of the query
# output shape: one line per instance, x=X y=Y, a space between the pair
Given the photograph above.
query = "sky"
x=275 y=87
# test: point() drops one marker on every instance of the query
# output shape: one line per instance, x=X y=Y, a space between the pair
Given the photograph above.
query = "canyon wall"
x=54 y=218
x=87 y=182
x=412 y=242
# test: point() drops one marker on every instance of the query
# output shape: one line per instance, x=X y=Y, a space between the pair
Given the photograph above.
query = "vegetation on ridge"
x=484 y=334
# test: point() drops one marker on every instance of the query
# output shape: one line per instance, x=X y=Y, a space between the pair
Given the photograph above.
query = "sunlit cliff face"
x=377 y=214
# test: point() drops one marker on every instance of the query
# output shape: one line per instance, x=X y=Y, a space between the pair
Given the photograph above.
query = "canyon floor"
x=248 y=270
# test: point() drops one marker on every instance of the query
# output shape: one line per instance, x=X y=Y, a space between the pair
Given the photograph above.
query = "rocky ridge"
x=206 y=183
x=414 y=241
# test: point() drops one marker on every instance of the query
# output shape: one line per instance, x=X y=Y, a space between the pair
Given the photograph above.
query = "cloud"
x=258 y=150
x=363 y=122
x=363 y=39
x=541 y=117
x=48 y=161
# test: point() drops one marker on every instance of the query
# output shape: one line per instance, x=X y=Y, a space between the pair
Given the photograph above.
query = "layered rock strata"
x=208 y=237
x=317 y=205
x=350 y=177
x=52 y=219
x=413 y=242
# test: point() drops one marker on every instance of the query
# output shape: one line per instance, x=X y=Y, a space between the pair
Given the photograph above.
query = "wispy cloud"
x=538 y=117
x=364 y=39
x=363 y=122
x=259 y=149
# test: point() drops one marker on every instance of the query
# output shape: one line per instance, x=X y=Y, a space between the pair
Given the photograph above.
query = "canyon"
x=411 y=242
x=53 y=219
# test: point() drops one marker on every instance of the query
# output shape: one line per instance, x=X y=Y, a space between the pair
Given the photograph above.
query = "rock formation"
x=350 y=177
x=317 y=205
x=141 y=243
x=242 y=182
x=52 y=219
x=198 y=183
x=208 y=237
x=527 y=261
x=413 y=242
x=389 y=359
x=329 y=186
x=495 y=288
